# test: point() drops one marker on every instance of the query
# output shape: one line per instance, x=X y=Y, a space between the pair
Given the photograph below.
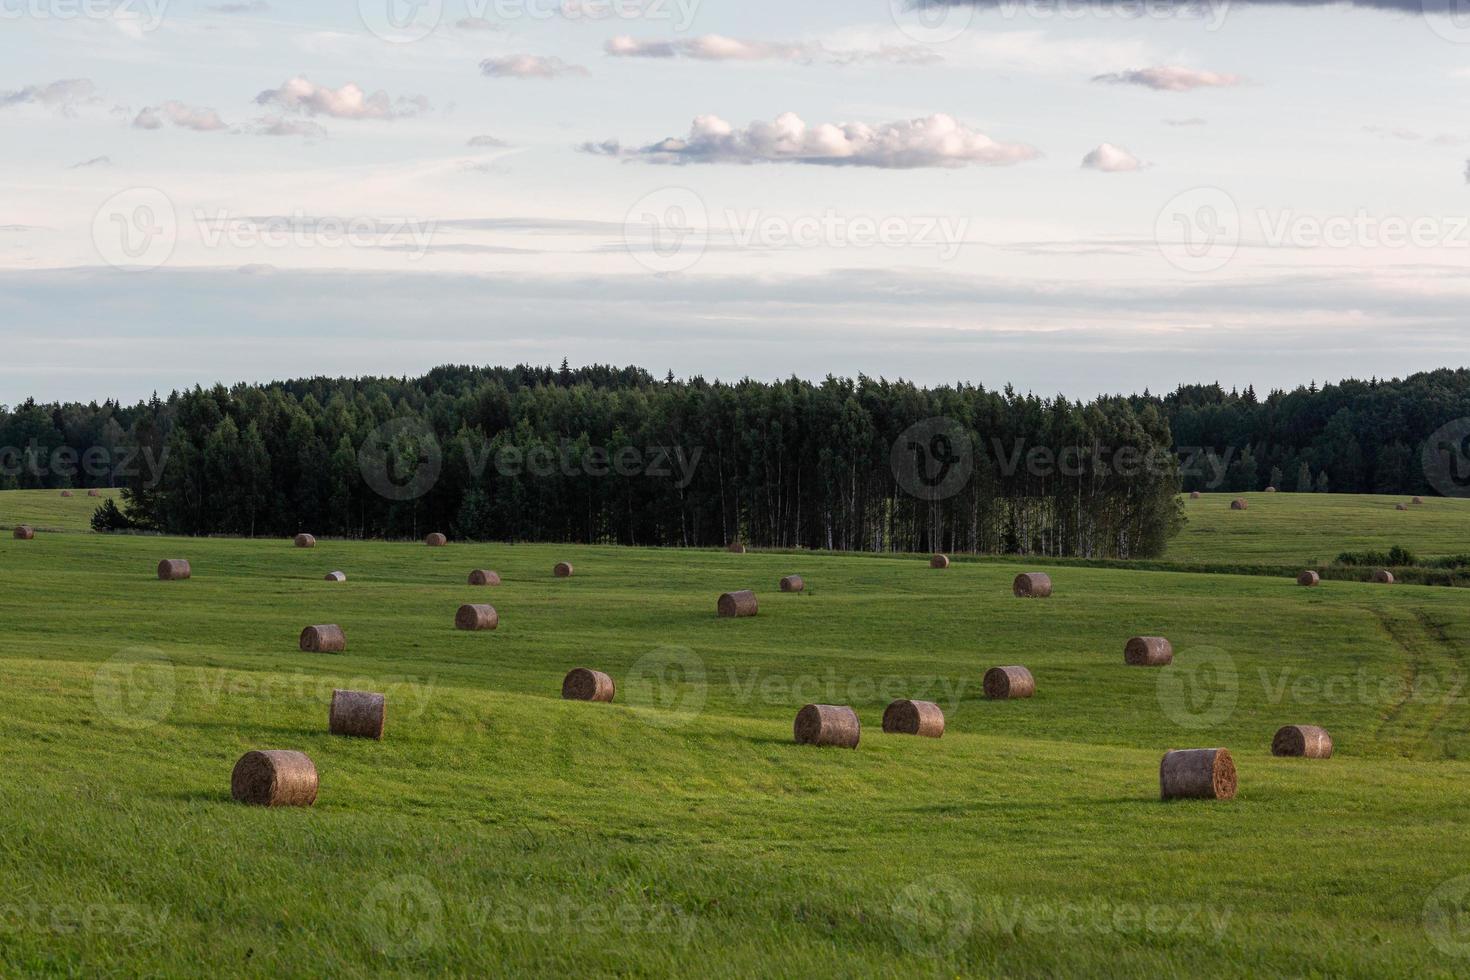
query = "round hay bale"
x=904 y=717
x=24 y=532
x=586 y=684
x=737 y=604
x=275 y=777
x=1148 y=651
x=827 y=724
x=360 y=714
x=173 y=569
x=1417 y=500
x=66 y=493
x=563 y=569
x=1197 y=774
x=1309 y=579
x=1195 y=495
x=305 y=541
x=323 y=639
x=1303 y=742
x=1032 y=585
x=1400 y=506
x=735 y=548
x=336 y=576
x=473 y=616
x=436 y=540
x=939 y=561
x=1270 y=489
x=1239 y=503
x=94 y=492
x=793 y=583
x=483 y=576
x=1004 y=683
x=1383 y=577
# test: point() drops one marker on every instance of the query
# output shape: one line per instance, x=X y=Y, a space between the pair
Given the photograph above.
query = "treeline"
x=615 y=455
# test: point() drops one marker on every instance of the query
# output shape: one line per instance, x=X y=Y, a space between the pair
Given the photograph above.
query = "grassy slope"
x=499 y=829
x=1305 y=528
x=49 y=511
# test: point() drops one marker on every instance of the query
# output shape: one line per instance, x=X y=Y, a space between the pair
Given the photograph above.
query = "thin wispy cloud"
x=197 y=118
x=103 y=161
x=529 y=66
x=1170 y=78
x=716 y=47
x=64 y=96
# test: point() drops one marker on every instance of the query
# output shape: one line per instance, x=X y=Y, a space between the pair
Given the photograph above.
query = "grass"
x=499 y=830
x=47 y=510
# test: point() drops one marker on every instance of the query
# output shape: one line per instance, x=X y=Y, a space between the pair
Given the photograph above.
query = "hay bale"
x=1400 y=506
x=66 y=493
x=1270 y=489
x=1383 y=576
x=436 y=540
x=476 y=616
x=563 y=569
x=586 y=684
x=94 y=492
x=275 y=777
x=1239 y=503
x=24 y=532
x=483 y=576
x=336 y=576
x=1309 y=579
x=904 y=717
x=1004 y=683
x=1303 y=742
x=735 y=548
x=737 y=604
x=1417 y=500
x=827 y=724
x=793 y=583
x=939 y=561
x=323 y=639
x=1195 y=495
x=305 y=541
x=1197 y=774
x=173 y=569
x=360 y=714
x=1032 y=585
x=1148 y=651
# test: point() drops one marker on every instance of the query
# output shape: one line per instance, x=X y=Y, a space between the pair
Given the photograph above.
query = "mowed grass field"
x=498 y=830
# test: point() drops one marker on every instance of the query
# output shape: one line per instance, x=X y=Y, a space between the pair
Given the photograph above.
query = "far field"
x=498 y=830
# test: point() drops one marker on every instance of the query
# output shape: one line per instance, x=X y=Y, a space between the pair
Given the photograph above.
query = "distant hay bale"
x=586 y=684
x=1239 y=503
x=94 y=492
x=737 y=604
x=275 y=777
x=1417 y=500
x=1148 y=651
x=1383 y=576
x=483 y=576
x=939 y=561
x=336 y=576
x=1302 y=741
x=735 y=548
x=436 y=540
x=1309 y=579
x=563 y=569
x=1195 y=495
x=66 y=493
x=25 y=532
x=904 y=717
x=305 y=541
x=793 y=583
x=1197 y=774
x=360 y=714
x=476 y=616
x=828 y=725
x=323 y=639
x=173 y=569
x=1400 y=506
x=1270 y=489
x=1005 y=683
x=1032 y=585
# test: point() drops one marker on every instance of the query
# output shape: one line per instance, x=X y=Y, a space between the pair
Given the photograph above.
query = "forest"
x=616 y=455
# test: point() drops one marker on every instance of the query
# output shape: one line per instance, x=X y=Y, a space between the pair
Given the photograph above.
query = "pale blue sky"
x=1290 y=147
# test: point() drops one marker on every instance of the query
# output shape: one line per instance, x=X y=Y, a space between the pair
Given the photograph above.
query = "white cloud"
x=716 y=47
x=283 y=126
x=528 y=66
x=1111 y=159
x=197 y=118
x=1171 y=78
x=492 y=142
x=64 y=96
x=936 y=141
x=348 y=102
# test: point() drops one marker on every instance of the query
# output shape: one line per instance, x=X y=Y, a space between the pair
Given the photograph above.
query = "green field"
x=498 y=830
x=48 y=510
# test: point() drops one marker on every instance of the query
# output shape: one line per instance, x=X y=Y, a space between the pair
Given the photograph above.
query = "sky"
x=1069 y=197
